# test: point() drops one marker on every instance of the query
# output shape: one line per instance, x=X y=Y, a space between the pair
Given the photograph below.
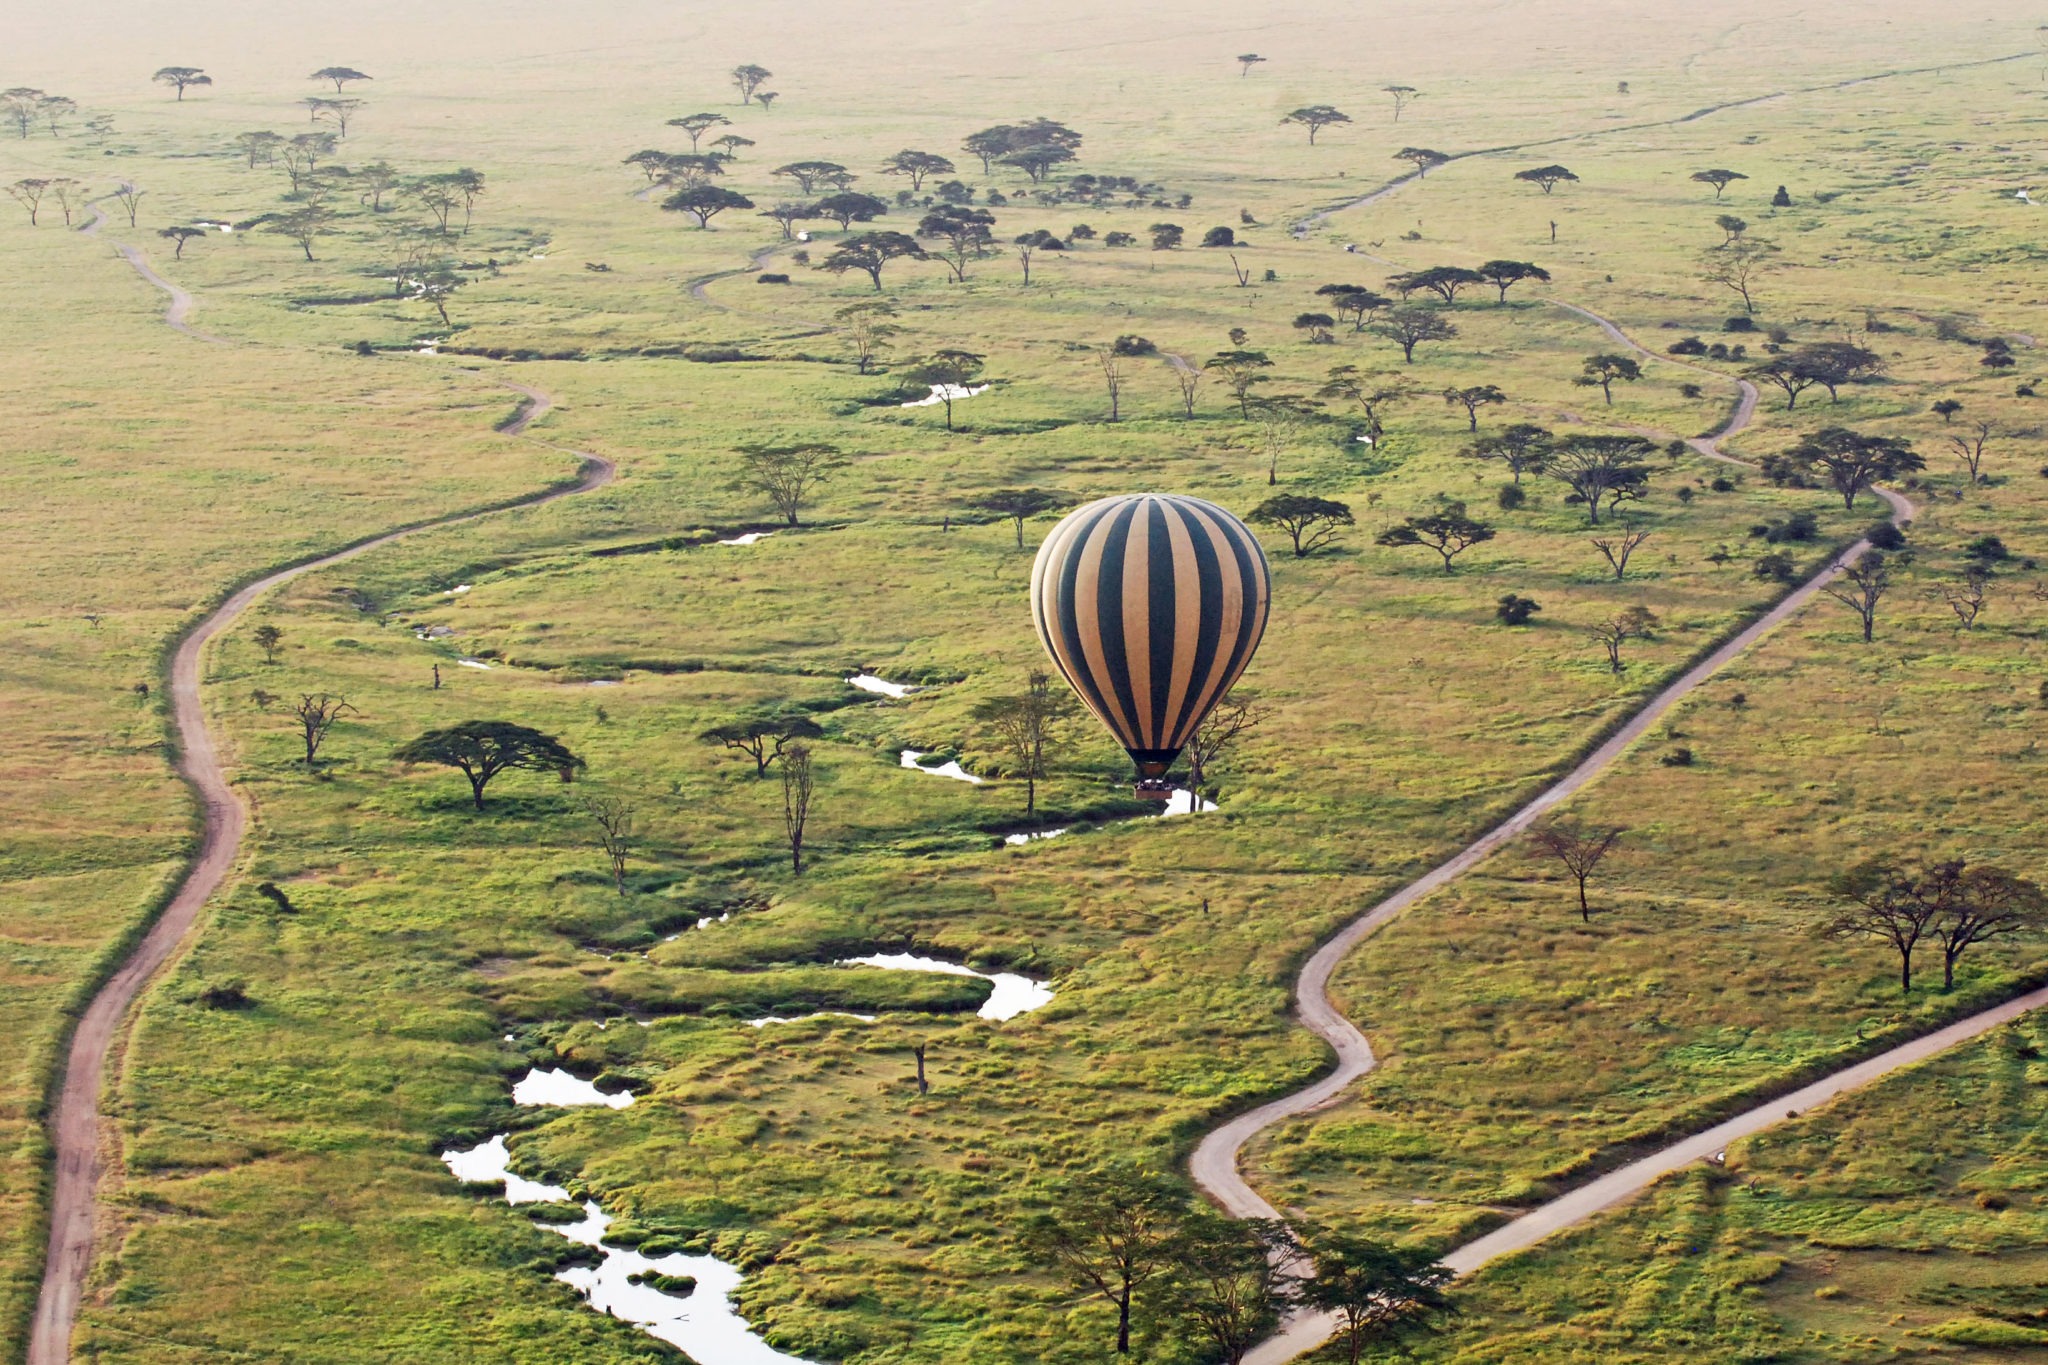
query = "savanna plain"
x=1157 y=281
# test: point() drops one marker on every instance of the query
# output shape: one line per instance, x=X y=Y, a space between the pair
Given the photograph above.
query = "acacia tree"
x=1315 y=118
x=1372 y=392
x=1246 y=61
x=1504 y=275
x=1524 y=448
x=29 y=193
x=1030 y=243
x=336 y=111
x=1422 y=158
x=869 y=326
x=267 y=638
x=1310 y=523
x=747 y=79
x=787 y=216
x=1601 y=372
x=787 y=474
x=917 y=165
x=1739 y=267
x=482 y=749
x=849 y=207
x=1038 y=146
x=808 y=175
x=340 y=75
x=615 y=818
x=181 y=77
x=1601 y=469
x=1854 y=461
x=1018 y=504
x=964 y=230
x=871 y=252
x=1720 y=180
x=1444 y=281
x=763 y=738
x=1472 y=400
x=1447 y=530
x=696 y=125
x=22 y=105
x=1861 y=586
x=1410 y=327
x=1785 y=372
x=1889 y=901
x=316 y=713
x=180 y=235
x=1279 y=417
x=1377 y=1292
x=304 y=226
x=1226 y=1279
x=1630 y=623
x=1402 y=95
x=1115 y=1230
x=1983 y=903
x=799 y=787
x=1549 y=177
x=1580 y=850
x=260 y=149
x=1353 y=301
x=730 y=145
x=1240 y=373
x=947 y=372
x=129 y=195
x=1026 y=728
x=1731 y=227
x=1834 y=363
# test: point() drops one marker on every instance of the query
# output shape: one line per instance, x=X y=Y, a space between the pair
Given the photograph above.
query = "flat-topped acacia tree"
x=1402 y=95
x=1246 y=61
x=705 y=202
x=1549 y=177
x=340 y=75
x=482 y=749
x=181 y=78
x=1720 y=180
x=696 y=125
x=1422 y=158
x=787 y=474
x=1315 y=118
x=917 y=165
x=947 y=372
x=871 y=252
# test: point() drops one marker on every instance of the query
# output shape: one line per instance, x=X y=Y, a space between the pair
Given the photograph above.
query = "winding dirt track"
x=75 y=1131
x=1214 y=1165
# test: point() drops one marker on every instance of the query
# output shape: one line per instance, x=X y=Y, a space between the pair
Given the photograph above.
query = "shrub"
x=1685 y=494
x=1689 y=391
x=1511 y=497
x=1885 y=536
x=1722 y=484
x=1739 y=324
x=1777 y=567
x=1797 y=528
x=1219 y=236
x=771 y=278
x=1081 y=232
x=1987 y=550
x=1132 y=345
x=1514 y=610
x=1680 y=757
x=226 y=995
x=1689 y=346
x=1717 y=351
x=1119 y=239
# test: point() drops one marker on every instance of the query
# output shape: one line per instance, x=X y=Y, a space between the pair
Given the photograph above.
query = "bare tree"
x=787 y=474
x=1190 y=379
x=316 y=713
x=917 y=1050
x=1237 y=714
x=130 y=196
x=1617 y=548
x=1970 y=449
x=1112 y=376
x=1966 y=596
x=616 y=825
x=799 y=785
x=1630 y=623
x=1861 y=587
x=1026 y=726
x=1580 y=850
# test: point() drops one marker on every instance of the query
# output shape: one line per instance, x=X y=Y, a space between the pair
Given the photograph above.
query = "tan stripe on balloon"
x=1219 y=677
x=1137 y=592
x=1088 y=625
x=1187 y=614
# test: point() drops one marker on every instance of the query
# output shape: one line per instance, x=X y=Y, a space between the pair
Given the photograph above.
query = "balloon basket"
x=1153 y=789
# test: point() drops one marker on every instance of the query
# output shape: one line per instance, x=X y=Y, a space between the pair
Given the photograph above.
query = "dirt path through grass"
x=1214 y=1165
x=75 y=1129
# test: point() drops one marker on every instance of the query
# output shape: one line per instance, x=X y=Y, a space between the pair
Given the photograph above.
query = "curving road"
x=75 y=1119
x=1214 y=1165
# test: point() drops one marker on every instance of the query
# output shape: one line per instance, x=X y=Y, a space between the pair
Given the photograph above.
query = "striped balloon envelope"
x=1150 y=605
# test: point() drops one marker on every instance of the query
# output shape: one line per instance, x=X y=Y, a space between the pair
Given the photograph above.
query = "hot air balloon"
x=1150 y=605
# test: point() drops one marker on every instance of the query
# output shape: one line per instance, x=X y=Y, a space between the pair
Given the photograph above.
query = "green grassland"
x=280 y=1194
